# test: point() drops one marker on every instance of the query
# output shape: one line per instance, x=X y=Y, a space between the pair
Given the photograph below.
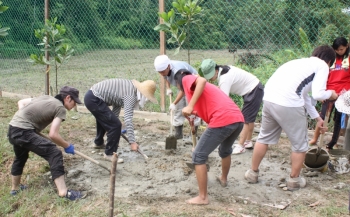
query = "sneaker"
x=109 y=157
x=21 y=188
x=75 y=195
x=296 y=183
x=238 y=149
x=251 y=176
x=248 y=144
x=103 y=146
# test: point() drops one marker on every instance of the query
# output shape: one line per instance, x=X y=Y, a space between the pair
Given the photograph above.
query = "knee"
x=199 y=158
x=224 y=152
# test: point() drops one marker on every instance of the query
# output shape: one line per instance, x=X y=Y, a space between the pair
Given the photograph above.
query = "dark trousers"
x=106 y=121
x=336 y=119
x=24 y=141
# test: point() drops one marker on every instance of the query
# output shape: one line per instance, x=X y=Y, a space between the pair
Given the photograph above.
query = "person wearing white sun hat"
x=342 y=104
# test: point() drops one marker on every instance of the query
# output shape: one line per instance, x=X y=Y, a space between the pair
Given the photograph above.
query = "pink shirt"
x=213 y=106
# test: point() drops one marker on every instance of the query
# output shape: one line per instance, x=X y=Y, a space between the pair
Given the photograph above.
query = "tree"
x=53 y=40
x=3 y=31
x=179 y=28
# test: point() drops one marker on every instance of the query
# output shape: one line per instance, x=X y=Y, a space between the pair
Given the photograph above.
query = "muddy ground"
x=165 y=180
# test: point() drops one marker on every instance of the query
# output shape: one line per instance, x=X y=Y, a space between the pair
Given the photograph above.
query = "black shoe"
x=75 y=195
x=21 y=188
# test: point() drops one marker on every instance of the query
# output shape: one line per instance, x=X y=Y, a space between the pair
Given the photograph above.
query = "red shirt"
x=213 y=106
x=339 y=77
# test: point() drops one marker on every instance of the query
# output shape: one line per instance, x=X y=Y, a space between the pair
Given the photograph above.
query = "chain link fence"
x=116 y=38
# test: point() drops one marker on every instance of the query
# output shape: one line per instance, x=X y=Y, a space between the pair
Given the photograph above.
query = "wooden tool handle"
x=325 y=124
x=138 y=150
x=171 y=116
x=81 y=154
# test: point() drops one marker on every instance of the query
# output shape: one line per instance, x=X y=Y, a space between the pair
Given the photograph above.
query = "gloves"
x=70 y=149
x=169 y=91
x=172 y=107
x=123 y=131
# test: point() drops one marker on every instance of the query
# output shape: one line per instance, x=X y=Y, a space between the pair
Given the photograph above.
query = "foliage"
x=179 y=27
x=54 y=42
x=3 y=30
x=305 y=46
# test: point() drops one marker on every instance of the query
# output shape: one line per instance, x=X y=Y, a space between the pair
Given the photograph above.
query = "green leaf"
x=164 y=16
x=182 y=38
x=3 y=9
x=161 y=27
x=177 y=50
x=181 y=22
x=172 y=40
x=3 y=31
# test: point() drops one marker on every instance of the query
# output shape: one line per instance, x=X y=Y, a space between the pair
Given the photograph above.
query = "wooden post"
x=47 y=70
x=112 y=184
x=162 y=51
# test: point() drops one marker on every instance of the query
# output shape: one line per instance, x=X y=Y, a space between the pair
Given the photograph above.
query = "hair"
x=325 y=53
x=340 y=41
x=225 y=68
x=179 y=76
x=60 y=97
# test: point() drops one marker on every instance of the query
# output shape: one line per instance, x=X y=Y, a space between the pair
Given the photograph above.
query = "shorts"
x=252 y=102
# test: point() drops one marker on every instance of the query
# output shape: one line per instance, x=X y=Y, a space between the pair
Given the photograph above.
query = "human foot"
x=222 y=183
x=198 y=201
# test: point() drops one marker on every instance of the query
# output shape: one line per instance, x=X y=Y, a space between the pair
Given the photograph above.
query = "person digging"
x=168 y=69
x=286 y=106
x=34 y=115
x=117 y=93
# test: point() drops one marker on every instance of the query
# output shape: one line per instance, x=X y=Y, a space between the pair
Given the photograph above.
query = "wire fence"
x=117 y=38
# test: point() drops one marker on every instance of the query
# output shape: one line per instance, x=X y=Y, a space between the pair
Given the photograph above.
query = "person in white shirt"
x=286 y=104
x=233 y=80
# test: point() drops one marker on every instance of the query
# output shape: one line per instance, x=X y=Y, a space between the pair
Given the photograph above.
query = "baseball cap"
x=71 y=91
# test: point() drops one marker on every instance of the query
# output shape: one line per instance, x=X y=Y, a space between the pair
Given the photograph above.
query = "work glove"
x=172 y=107
x=169 y=92
x=123 y=131
x=70 y=149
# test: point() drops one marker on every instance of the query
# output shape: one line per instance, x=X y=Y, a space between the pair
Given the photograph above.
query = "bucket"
x=321 y=169
x=339 y=161
x=322 y=161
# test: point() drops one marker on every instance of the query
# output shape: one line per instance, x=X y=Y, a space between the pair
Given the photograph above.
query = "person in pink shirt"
x=225 y=122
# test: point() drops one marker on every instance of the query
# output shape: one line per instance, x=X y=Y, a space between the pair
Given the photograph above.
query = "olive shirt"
x=39 y=113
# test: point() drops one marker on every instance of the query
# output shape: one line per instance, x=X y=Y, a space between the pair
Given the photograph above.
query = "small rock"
x=245 y=202
x=282 y=180
x=282 y=185
x=75 y=118
x=285 y=189
x=188 y=190
x=93 y=152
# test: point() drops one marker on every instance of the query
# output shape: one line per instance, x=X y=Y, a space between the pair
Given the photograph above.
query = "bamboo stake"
x=112 y=184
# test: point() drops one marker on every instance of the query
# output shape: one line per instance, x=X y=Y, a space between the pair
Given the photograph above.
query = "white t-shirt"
x=290 y=84
x=237 y=81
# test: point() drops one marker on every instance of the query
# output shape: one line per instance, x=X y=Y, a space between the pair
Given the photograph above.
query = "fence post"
x=47 y=56
x=162 y=51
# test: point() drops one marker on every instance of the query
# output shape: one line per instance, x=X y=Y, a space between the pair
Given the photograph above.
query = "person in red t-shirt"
x=225 y=122
x=338 y=80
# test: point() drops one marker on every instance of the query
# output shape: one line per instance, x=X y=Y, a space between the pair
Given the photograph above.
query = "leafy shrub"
x=111 y=42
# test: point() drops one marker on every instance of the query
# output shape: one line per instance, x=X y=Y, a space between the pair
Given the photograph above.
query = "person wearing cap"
x=286 y=105
x=117 y=93
x=233 y=80
x=342 y=104
x=34 y=115
x=168 y=68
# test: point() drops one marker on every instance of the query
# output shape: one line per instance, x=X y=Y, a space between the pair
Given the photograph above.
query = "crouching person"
x=33 y=116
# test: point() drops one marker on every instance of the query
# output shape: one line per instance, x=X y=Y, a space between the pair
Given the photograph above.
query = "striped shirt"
x=119 y=93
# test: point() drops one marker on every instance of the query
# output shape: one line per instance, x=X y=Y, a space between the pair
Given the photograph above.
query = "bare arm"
x=199 y=87
x=23 y=102
x=55 y=135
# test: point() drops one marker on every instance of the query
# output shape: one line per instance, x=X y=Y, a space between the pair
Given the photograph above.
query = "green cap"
x=208 y=68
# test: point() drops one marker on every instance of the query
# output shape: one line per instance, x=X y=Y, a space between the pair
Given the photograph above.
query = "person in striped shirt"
x=118 y=93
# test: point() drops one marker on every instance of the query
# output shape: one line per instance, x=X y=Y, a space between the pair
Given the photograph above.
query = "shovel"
x=138 y=150
x=318 y=157
x=82 y=155
x=171 y=141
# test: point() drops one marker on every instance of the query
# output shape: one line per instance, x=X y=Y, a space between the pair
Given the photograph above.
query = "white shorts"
x=292 y=120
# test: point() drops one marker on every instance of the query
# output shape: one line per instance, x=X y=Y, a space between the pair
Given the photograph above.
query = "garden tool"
x=138 y=150
x=171 y=141
x=81 y=155
x=193 y=128
x=318 y=157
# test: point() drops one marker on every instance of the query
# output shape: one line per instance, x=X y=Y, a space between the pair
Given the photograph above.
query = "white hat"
x=147 y=88
x=161 y=62
x=343 y=103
